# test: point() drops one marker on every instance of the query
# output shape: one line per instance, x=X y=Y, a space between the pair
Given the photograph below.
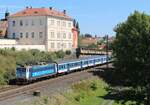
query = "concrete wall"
x=30 y=24
x=26 y=47
x=7 y=42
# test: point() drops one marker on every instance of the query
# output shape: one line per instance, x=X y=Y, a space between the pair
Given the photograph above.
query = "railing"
x=85 y=51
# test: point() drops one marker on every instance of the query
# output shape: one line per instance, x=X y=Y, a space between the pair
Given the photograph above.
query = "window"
x=64 y=35
x=58 y=23
x=26 y=22
x=40 y=34
x=64 y=45
x=41 y=22
x=27 y=35
x=58 y=35
x=32 y=34
x=52 y=45
x=70 y=45
x=52 y=22
x=13 y=23
x=69 y=24
x=14 y=35
x=21 y=23
x=64 y=24
x=21 y=35
x=52 y=34
x=69 y=35
x=32 y=23
x=58 y=45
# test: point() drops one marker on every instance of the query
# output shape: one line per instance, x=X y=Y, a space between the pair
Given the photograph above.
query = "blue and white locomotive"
x=30 y=73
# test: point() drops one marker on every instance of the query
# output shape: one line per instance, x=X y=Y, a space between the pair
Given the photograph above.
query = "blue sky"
x=94 y=16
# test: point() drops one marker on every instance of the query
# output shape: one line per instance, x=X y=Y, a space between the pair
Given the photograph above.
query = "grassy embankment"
x=86 y=92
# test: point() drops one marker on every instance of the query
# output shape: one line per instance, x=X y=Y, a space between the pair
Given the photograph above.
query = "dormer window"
x=35 y=12
x=24 y=12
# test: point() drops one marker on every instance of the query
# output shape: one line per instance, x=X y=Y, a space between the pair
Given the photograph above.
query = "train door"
x=27 y=73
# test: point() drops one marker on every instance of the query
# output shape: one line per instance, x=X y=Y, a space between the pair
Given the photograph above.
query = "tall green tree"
x=132 y=52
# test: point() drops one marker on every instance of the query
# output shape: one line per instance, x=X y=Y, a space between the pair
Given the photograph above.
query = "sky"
x=97 y=17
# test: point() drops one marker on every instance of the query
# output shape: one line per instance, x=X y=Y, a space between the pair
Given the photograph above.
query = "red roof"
x=40 y=12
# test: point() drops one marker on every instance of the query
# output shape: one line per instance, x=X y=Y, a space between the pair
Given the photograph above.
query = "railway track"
x=8 y=88
x=29 y=89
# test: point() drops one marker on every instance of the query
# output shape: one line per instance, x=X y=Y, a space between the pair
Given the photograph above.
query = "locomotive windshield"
x=21 y=72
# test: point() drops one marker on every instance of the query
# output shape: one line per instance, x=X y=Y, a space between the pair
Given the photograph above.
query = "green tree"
x=68 y=52
x=79 y=40
x=132 y=52
x=93 y=46
x=1 y=32
x=60 y=54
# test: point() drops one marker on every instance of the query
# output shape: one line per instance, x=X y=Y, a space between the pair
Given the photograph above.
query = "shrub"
x=60 y=54
x=93 y=86
x=68 y=52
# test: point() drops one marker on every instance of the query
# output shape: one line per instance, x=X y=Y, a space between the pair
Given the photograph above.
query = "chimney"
x=6 y=14
x=50 y=8
x=64 y=12
x=27 y=7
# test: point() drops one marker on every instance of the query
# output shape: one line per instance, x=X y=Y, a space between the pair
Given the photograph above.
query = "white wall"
x=26 y=47
x=60 y=43
x=7 y=42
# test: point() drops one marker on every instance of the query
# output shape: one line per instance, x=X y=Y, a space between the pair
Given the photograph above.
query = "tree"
x=1 y=32
x=79 y=40
x=132 y=52
x=74 y=23
x=88 y=35
x=78 y=28
x=68 y=52
x=93 y=46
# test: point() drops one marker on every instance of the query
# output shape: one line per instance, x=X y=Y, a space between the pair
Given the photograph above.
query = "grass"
x=85 y=92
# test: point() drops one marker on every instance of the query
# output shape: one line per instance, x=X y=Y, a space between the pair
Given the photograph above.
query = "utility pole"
x=107 y=51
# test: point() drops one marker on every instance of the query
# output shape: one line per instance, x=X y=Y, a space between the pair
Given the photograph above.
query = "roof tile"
x=40 y=12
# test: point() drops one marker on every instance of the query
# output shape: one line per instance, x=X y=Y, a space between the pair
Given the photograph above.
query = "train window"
x=21 y=69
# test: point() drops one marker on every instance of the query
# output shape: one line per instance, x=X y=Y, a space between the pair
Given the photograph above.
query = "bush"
x=60 y=54
x=68 y=52
x=93 y=86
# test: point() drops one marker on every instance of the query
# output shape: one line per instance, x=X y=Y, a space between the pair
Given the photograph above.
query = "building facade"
x=42 y=26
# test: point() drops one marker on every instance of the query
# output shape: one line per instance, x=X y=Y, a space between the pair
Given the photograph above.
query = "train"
x=31 y=73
